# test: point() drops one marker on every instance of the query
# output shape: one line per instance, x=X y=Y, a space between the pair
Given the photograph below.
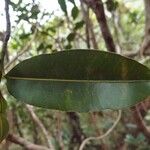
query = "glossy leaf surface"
x=79 y=80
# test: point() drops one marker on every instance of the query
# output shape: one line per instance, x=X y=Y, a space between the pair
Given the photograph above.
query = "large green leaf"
x=79 y=80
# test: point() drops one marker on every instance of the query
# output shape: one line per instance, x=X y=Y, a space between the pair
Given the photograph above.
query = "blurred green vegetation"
x=36 y=31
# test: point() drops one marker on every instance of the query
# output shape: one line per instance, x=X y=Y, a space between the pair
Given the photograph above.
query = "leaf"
x=68 y=46
x=40 y=47
x=63 y=6
x=79 y=80
x=24 y=36
x=71 y=37
x=79 y=25
x=130 y=139
x=75 y=12
x=52 y=29
x=23 y=17
x=35 y=11
x=49 y=46
x=111 y=5
x=4 y=127
x=14 y=5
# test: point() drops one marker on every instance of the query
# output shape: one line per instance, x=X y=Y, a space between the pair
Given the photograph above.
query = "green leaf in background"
x=63 y=6
x=4 y=127
x=40 y=47
x=80 y=80
x=52 y=29
x=79 y=25
x=35 y=11
x=68 y=46
x=130 y=139
x=24 y=36
x=75 y=12
x=71 y=36
x=111 y=5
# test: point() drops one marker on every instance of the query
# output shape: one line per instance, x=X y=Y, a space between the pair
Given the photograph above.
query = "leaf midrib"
x=71 y=80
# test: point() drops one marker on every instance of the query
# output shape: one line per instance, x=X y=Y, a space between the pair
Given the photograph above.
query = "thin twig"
x=140 y=122
x=59 y=130
x=23 y=142
x=6 y=37
x=93 y=118
x=87 y=19
x=118 y=44
x=40 y=125
x=104 y=135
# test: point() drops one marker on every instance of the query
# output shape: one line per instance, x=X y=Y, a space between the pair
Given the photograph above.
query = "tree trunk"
x=145 y=47
x=77 y=133
x=98 y=9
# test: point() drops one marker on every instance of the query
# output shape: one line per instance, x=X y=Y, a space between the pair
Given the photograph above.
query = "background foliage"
x=37 y=31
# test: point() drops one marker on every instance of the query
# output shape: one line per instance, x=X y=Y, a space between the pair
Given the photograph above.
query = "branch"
x=6 y=37
x=15 y=120
x=140 y=122
x=98 y=9
x=40 y=125
x=77 y=133
x=89 y=27
x=104 y=135
x=86 y=20
x=23 y=142
x=93 y=37
x=145 y=46
x=118 y=44
x=59 y=130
